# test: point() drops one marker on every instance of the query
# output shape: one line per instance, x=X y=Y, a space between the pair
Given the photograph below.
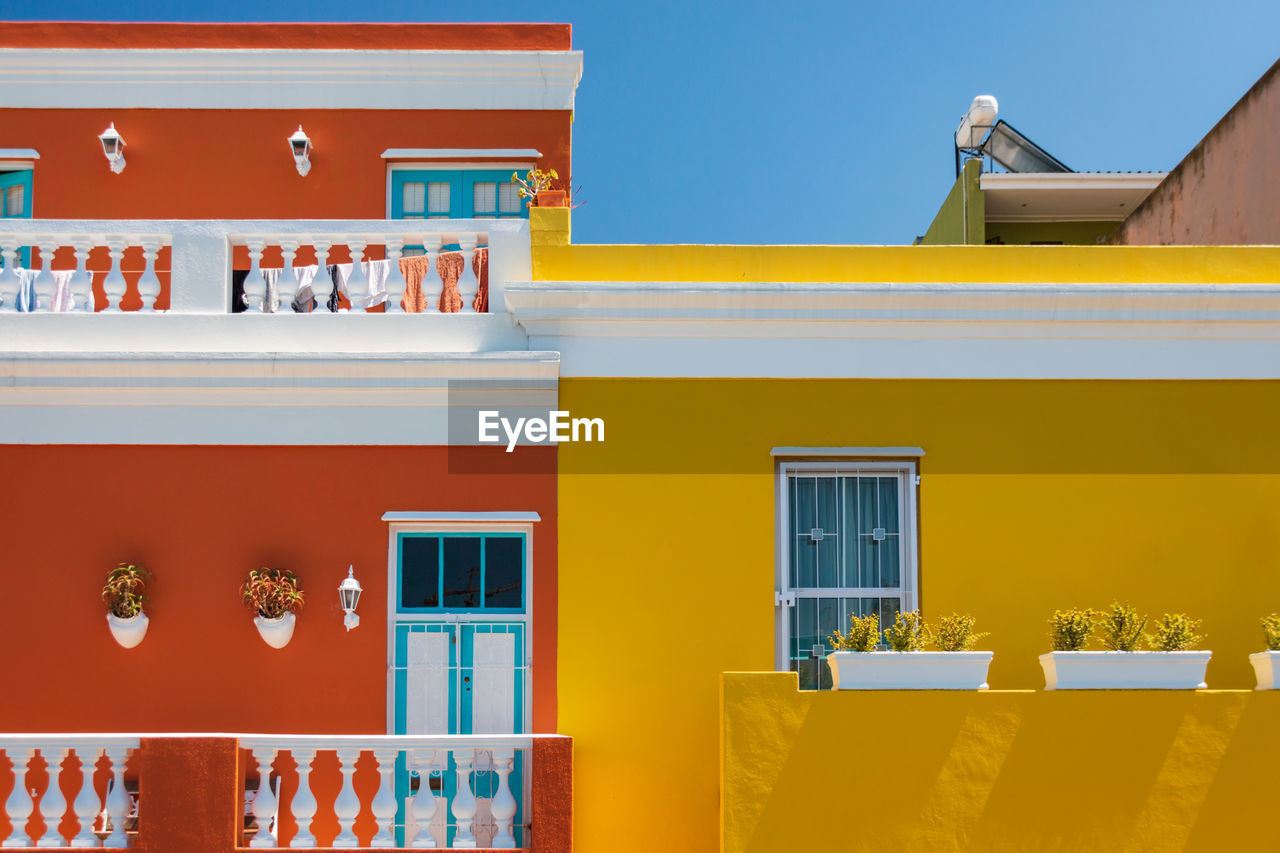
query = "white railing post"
x=384 y=802
x=424 y=801
x=304 y=801
x=264 y=801
x=464 y=801
x=358 y=281
x=149 y=284
x=396 y=284
x=255 y=286
x=322 y=285
x=81 y=284
x=114 y=285
x=10 y=283
x=53 y=805
x=43 y=288
x=503 y=806
x=287 y=283
x=21 y=801
x=432 y=283
x=86 y=804
x=117 y=803
x=347 y=806
x=468 y=284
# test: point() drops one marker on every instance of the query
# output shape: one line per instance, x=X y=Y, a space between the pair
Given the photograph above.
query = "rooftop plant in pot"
x=1172 y=664
x=855 y=665
x=275 y=596
x=123 y=596
x=536 y=185
x=1265 y=663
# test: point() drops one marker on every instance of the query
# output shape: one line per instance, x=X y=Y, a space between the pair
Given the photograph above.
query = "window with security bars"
x=848 y=550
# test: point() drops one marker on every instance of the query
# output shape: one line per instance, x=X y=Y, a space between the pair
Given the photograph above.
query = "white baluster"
x=287 y=284
x=53 y=805
x=10 y=283
x=384 y=802
x=432 y=284
x=86 y=804
x=322 y=285
x=395 y=276
x=43 y=289
x=81 y=284
x=255 y=286
x=424 y=801
x=464 y=802
x=358 y=281
x=118 y=803
x=503 y=806
x=20 y=803
x=114 y=285
x=347 y=806
x=264 y=802
x=304 y=802
x=149 y=284
x=468 y=284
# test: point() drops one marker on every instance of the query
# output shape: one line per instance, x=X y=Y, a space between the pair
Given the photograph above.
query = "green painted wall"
x=963 y=202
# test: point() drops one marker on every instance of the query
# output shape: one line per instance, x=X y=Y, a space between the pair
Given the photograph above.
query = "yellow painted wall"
x=1141 y=771
x=1035 y=495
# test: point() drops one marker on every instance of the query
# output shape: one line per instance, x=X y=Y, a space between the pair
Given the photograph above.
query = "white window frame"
x=908 y=481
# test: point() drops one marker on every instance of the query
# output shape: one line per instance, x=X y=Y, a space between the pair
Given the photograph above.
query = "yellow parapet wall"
x=1118 y=770
x=1047 y=264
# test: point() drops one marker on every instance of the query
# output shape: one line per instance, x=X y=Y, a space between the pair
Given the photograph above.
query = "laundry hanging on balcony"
x=62 y=297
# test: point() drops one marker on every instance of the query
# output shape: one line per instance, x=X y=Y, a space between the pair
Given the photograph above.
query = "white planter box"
x=128 y=632
x=276 y=632
x=909 y=670
x=1264 y=667
x=1124 y=670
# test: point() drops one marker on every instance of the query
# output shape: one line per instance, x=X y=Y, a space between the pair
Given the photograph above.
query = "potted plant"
x=123 y=596
x=1172 y=664
x=1264 y=663
x=535 y=186
x=274 y=595
x=855 y=665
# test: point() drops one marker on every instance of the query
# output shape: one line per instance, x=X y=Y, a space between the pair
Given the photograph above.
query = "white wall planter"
x=909 y=670
x=276 y=632
x=1264 y=667
x=128 y=632
x=1124 y=670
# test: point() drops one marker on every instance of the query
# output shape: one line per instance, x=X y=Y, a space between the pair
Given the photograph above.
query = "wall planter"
x=276 y=632
x=552 y=198
x=909 y=670
x=1124 y=670
x=1265 y=669
x=130 y=630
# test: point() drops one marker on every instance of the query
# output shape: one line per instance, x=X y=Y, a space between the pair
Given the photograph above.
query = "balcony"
x=221 y=793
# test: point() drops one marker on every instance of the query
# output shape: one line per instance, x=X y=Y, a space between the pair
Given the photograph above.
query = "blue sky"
x=831 y=122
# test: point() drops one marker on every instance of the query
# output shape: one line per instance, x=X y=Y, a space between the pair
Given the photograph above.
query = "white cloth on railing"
x=377 y=273
x=27 y=296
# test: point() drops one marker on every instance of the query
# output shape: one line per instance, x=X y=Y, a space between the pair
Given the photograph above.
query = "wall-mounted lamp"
x=300 y=145
x=349 y=594
x=113 y=147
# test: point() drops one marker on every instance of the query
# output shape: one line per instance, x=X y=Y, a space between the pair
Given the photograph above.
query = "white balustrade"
x=396 y=284
x=70 y=762
x=40 y=283
x=432 y=284
x=468 y=284
x=255 y=286
x=464 y=765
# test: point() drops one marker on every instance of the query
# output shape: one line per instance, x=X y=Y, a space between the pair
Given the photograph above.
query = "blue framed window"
x=481 y=573
x=15 y=203
x=442 y=194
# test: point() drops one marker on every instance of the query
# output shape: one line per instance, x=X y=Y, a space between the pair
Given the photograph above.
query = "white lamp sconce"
x=300 y=146
x=349 y=594
x=113 y=148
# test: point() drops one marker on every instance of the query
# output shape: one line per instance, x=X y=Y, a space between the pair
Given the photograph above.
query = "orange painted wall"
x=200 y=518
x=235 y=164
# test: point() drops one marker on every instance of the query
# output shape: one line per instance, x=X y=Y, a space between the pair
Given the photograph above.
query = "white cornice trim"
x=19 y=154
x=463 y=517
x=74 y=78
x=480 y=154
x=849 y=452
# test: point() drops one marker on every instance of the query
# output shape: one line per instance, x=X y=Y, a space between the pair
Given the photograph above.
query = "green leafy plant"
x=1120 y=630
x=1271 y=631
x=863 y=636
x=122 y=592
x=534 y=182
x=271 y=592
x=955 y=633
x=908 y=633
x=1175 y=632
x=1069 y=630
